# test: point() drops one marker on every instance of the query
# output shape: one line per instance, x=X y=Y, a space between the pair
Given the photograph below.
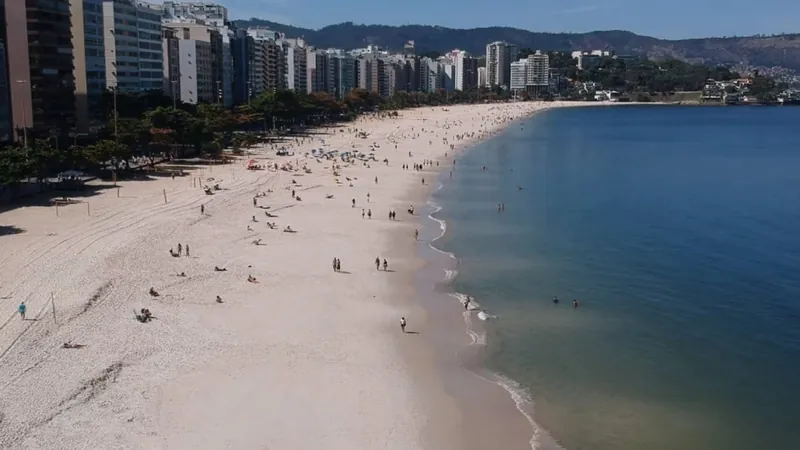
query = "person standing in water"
x=575 y=304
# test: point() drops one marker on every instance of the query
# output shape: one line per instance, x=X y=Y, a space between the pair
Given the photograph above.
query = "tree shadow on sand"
x=6 y=230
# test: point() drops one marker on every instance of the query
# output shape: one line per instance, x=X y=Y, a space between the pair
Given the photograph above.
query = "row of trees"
x=152 y=126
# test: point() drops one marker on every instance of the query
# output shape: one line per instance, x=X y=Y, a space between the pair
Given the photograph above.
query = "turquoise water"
x=678 y=230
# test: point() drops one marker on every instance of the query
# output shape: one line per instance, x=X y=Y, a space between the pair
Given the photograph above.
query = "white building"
x=519 y=75
x=216 y=17
x=132 y=45
x=190 y=49
x=590 y=59
x=460 y=61
x=208 y=13
x=482 y=76
x=538 y=70
x=499 y=56
x=296 y=56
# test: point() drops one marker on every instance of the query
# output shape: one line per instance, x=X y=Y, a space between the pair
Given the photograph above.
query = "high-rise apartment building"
x=268 y=66
x=216 y=17
x=89 y=60
x=295 y=55
x=429 y=75
x=38 y=55
x=538 y=70
x=482 y=77
x=5 y=103
x=519 y=75
x=466 y=70
x=447 y=75
x=363 y=73
x=133 y=45
x=242 y=54
x=499 y=56
x=377 y=82
x=198 y=59
x=208 y=13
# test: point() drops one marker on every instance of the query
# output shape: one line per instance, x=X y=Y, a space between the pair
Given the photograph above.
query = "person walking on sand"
x=403 y=324
x=376 y=180
x=180 y=249
x=385 y=265
x=202 y=209
x=338 y=265
x=21 y=309
x=377 y=264
x=369 y=213
x=334 y=264
x=363 y=213
x=255 y=202
x=354 y=203
x=187 y=250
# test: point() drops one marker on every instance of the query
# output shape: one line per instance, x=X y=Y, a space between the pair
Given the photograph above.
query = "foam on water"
x=519 y=395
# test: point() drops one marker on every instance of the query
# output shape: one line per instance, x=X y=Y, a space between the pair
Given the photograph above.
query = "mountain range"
x=764 y=51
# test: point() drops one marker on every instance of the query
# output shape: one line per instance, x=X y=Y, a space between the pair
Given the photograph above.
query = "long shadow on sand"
x=6 y=230
x=51 y=197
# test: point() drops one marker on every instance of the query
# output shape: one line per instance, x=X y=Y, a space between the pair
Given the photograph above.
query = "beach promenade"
x=300 y=357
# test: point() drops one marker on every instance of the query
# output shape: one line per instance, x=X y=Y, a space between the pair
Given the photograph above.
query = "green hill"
x=782 y=50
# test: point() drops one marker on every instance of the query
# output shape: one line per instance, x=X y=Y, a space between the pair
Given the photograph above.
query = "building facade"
x=5 y=102
x=38 y=54
x=538 y=70
x=499 y=56
x=133 y=46
x=89 y=61
x=198 y=60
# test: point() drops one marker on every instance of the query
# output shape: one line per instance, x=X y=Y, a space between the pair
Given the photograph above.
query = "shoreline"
x=492 y=404
x=304 y=358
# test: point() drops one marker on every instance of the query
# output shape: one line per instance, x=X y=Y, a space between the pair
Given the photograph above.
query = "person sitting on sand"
x=153 y=292
x=254 y=219
x=182 y=274
x=257 y=242
x=71 y=345
x=251 y=279
x=288 y=229
x=144 y=316
x=217 y=269
x=172 y=253
x=219 y=299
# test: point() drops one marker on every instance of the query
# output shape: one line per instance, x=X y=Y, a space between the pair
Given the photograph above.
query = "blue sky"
x=671 y=19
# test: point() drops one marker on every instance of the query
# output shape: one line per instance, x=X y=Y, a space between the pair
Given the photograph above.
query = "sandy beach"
x=305 y=357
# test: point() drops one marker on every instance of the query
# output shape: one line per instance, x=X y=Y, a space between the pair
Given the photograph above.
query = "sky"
x=666 y=19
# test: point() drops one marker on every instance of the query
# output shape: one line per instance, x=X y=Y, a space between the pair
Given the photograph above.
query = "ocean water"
x=678 y=231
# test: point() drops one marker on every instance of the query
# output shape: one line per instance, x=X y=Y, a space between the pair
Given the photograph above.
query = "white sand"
x=304 y=359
